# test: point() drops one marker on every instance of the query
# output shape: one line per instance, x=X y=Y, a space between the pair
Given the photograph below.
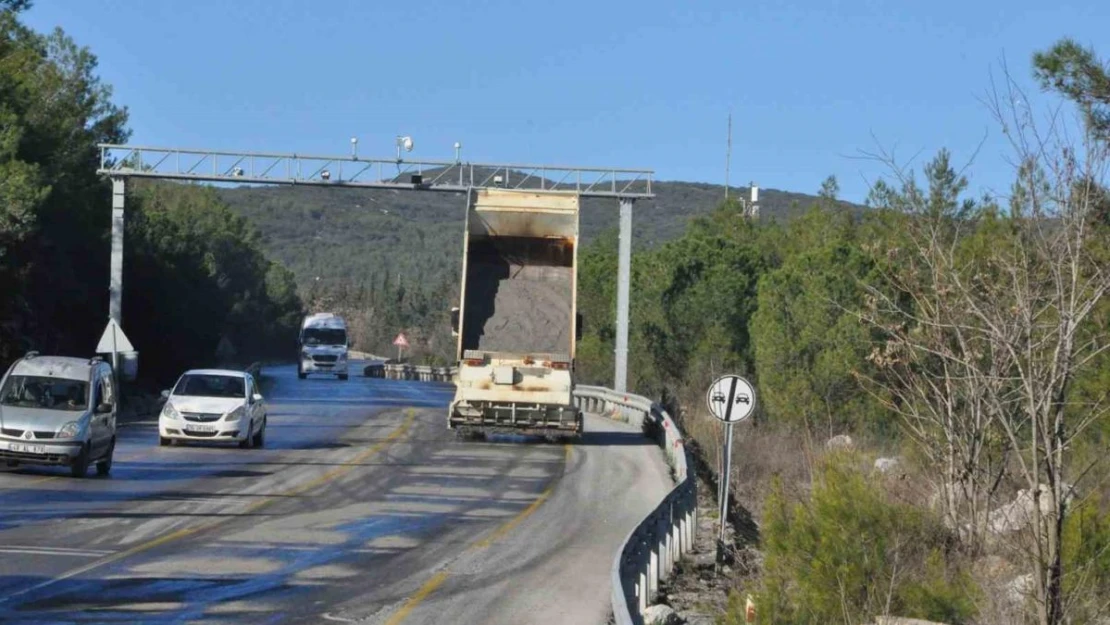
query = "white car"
x=216 y=405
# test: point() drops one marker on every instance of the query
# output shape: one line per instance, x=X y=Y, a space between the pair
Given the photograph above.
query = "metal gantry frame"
x=375 y=173
x=120 y=162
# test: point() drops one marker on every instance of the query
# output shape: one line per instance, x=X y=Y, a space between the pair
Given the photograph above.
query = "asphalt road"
x=361 y=508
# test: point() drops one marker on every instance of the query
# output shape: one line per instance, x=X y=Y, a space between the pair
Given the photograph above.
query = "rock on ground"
x=1019 y=513
x=1019 y=589
x=886 y=465
x=661 y=615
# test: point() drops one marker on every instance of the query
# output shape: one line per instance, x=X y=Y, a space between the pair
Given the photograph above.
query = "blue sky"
x=810 y=83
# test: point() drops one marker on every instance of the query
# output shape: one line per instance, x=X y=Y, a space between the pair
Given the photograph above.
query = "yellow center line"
x=415 y=600
x=437 y=580
x=188 y=531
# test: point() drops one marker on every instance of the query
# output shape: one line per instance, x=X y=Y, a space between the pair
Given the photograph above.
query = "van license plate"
x=189 y=427
x=28 y=449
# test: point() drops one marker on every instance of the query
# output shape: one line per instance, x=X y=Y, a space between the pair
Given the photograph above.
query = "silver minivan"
x=56 y=410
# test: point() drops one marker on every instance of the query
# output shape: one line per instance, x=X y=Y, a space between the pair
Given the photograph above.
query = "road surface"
x=361 y=508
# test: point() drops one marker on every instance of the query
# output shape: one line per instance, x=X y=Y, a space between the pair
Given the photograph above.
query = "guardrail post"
x=684 y=530
x=673 y=537
x=642 y=591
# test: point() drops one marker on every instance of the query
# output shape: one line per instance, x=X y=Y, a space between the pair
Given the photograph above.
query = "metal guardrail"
x=410 y=372
x=649 y=553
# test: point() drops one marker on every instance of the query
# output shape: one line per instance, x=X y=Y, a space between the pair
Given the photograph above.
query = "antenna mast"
x=728 y=154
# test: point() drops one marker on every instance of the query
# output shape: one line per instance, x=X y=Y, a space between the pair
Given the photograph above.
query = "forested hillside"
x=390 y=260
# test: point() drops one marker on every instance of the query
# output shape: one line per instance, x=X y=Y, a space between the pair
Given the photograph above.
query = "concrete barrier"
x=649 y=553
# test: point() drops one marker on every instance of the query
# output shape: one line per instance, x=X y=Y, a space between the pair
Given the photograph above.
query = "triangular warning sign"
x=401 y=341
x=113 y=339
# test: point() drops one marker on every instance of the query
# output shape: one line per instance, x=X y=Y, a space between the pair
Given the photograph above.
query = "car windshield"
x=325 y=336
x=210 y=385
x=43 y=392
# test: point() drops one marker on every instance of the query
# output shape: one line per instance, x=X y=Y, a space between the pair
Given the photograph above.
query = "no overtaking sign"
x=731 y=398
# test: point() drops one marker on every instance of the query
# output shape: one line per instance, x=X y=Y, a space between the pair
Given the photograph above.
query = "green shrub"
x=1087 y=559
x=850 y=554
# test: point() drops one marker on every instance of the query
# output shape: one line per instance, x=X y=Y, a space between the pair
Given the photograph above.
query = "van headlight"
x=169 y=412
x=343 y=357
x=235 y=415
x=69 y=430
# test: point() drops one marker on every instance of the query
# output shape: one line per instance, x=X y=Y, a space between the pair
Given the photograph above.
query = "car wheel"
x=300 y=373
x=104 y=467
x=246 y=442
x=343 y=376
x=164 y=442
x=80 y=466
x=260 y=438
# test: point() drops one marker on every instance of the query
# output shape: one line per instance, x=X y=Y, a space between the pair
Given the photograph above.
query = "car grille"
x=40 y=435
x=200 y=434
x=325 y=358
x=201 y=417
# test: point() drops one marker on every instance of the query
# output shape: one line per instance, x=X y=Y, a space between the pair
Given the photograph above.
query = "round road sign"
x=731 y=398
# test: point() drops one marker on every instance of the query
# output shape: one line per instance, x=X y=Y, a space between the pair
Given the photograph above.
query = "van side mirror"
x=579 y=326
x=104 y=408
x=256 y=397
x=166 y=394
x=455 y=321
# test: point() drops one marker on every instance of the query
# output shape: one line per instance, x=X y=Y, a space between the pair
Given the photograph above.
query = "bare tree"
x=986 y=322
x=936 y=368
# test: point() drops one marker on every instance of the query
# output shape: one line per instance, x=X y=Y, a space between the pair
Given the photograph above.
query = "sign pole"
x=115 y=371
x=724 y=480
x=730 y=398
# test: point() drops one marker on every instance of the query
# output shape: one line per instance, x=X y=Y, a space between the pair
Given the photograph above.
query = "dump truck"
x=517 y=321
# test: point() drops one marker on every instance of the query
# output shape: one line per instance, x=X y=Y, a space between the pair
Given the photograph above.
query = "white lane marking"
x=338 y=619
x=55 y=551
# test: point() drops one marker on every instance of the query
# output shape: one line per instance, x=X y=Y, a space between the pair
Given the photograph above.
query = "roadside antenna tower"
x=728 y=154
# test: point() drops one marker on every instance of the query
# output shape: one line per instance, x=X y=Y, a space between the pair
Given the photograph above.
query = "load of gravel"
x=518 y=303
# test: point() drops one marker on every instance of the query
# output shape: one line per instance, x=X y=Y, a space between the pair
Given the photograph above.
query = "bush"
x=1087 y=559
x=849 y=554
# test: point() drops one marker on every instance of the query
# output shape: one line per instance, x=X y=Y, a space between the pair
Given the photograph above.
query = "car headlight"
x=169 y=412
x=69 y=430
x=305 y=355
x=234 y=415
x=343 y=356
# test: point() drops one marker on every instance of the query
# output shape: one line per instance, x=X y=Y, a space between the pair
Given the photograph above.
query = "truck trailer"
x=517 y=321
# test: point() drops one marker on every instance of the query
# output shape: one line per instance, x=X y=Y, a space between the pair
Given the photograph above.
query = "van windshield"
x=198 y=385
x=28 y=391
x=324 y=336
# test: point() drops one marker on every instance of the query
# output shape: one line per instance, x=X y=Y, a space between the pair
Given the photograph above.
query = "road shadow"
x=613 y=439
